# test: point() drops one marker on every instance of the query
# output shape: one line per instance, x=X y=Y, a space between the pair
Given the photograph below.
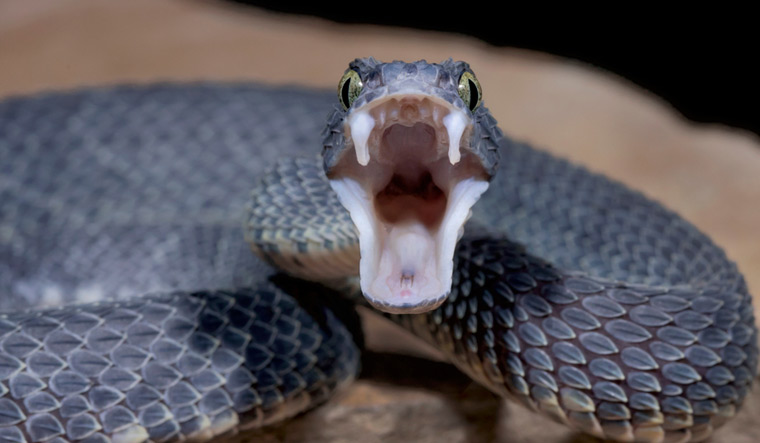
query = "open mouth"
x=409 y=189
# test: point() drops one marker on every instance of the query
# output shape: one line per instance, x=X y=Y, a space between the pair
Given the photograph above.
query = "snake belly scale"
x=581 y=299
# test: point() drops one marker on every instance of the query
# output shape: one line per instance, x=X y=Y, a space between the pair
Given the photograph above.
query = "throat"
x=411 y=197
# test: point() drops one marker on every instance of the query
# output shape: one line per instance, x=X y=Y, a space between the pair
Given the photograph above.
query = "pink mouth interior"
x=409 y=204
x=411 y=193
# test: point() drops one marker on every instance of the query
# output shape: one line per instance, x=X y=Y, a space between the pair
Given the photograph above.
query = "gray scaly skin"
x=167 y=366
x=117 y=192
x=583 y=299
x=114 y=193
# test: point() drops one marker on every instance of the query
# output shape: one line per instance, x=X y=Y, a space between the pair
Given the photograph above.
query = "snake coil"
x=601 y=309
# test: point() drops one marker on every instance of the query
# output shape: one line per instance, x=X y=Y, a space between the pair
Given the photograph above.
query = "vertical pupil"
x=473 y=94
x=344 y=92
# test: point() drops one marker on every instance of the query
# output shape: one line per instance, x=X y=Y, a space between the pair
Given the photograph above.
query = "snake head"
x=409 y=151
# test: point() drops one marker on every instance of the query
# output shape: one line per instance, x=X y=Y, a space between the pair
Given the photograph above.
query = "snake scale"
x=571 y=294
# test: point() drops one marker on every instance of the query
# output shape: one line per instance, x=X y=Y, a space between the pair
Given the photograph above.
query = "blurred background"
x=665 y=104
x=700 y=61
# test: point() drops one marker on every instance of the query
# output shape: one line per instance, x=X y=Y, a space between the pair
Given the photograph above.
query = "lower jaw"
x=407 y=308
x=387 y=250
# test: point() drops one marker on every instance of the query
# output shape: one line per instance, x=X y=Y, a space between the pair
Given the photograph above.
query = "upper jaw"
x=408 y=187
x=407 y=109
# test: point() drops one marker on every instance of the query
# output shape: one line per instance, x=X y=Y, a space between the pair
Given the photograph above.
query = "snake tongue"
x=404 y=260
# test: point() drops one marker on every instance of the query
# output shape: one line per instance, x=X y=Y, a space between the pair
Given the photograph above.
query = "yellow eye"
x=469 y=90
x=349 y=88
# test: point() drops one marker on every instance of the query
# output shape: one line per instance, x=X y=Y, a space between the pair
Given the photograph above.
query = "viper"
x=548 y=284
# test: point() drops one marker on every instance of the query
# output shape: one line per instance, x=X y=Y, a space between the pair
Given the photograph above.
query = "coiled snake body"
x=601 y=309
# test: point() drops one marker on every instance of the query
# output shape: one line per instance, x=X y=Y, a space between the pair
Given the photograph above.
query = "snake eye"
x=469 y=90
x=349 y=88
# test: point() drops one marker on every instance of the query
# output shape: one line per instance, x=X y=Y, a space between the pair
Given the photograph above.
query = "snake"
x=132 y=307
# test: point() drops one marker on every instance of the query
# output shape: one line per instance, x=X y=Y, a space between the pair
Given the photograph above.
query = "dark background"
x=704 y=63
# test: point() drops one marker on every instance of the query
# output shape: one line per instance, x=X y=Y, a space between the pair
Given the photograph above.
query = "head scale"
x=439 y=79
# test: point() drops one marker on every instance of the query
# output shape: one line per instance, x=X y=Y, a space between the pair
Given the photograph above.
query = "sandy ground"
x=708 y=173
